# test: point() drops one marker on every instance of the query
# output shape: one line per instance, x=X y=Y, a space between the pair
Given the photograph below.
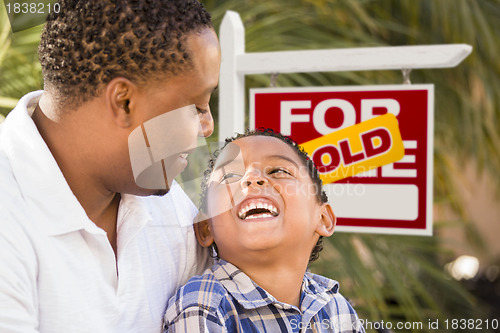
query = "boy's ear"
x=119 y=92
x=328 y=220
x=202 y=231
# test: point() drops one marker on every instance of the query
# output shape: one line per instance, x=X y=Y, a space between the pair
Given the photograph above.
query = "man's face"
x=172 y=114
x=261 y=200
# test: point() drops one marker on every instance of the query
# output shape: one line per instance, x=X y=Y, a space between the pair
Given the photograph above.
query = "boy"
x=265 y=217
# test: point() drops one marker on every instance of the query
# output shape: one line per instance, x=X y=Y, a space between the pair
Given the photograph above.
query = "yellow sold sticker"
x=356 y=149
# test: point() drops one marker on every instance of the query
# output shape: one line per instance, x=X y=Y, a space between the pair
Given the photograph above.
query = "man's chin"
x=160 y=193
x=147 y=192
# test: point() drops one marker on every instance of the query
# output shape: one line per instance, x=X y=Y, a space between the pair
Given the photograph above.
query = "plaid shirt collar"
x=316 y=291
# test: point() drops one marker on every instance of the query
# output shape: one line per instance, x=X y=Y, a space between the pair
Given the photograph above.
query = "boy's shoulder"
x=203 y=296
x=202 y=291
x=321 y=288
x=319 y=283
x=216 y=291
x=322 y=294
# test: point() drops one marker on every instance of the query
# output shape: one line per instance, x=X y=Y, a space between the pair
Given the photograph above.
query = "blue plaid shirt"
x=225 y=299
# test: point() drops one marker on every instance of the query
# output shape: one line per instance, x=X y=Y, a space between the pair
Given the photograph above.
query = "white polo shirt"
x=58 y=272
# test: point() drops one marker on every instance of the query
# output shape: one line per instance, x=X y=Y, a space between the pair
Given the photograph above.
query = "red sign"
x=395 y=198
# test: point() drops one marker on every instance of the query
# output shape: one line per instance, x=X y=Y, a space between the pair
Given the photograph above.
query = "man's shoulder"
x=10 y=193
x=11 y=196
x=13 y=211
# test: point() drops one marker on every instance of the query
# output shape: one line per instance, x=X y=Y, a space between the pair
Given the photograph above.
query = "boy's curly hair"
x=309 y=164
x=88 y=43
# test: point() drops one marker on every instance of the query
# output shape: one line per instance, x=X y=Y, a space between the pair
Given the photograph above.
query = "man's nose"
x=206 y=123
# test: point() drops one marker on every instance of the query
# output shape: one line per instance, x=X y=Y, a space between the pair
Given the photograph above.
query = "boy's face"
x=261 y=201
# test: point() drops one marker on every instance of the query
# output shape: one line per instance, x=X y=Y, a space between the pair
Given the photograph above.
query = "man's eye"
x=202 y=111
x=230 y=177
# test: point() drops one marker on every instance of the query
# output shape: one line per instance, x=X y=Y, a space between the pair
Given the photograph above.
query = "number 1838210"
x=32 y=8
x=472 y=324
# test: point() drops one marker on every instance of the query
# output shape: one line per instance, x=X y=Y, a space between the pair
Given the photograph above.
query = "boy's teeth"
x=269 y=207
x=257 y=216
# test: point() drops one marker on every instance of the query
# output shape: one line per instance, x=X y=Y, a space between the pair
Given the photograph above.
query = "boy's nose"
x=253 y=177
x=259 y=182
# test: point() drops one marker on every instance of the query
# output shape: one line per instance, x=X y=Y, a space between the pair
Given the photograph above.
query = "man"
x=83 y=248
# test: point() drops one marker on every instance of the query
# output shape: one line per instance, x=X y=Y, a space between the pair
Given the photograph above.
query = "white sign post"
x=236 y=63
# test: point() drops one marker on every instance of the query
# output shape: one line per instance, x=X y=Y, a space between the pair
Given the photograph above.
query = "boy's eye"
x=280 y=172
x=230 y=177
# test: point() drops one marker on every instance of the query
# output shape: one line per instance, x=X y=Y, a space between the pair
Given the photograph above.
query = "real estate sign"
x=373 y=146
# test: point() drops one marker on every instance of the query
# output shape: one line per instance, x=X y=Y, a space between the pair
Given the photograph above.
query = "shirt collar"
x=37 y=173
x=316 y=290
x=133 y=209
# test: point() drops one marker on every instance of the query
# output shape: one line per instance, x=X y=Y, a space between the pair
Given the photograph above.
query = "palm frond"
x=20 y=71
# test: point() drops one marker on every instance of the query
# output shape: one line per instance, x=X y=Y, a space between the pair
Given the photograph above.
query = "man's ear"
x=327 y=222
x=118 y=93
x=202 y=231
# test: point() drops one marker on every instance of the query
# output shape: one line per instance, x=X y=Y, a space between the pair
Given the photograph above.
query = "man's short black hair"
x=307 y=161
x=88 y=43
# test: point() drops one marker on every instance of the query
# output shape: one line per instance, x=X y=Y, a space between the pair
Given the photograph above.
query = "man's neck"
x=72 y=154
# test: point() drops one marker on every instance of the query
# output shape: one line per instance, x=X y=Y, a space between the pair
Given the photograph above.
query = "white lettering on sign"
x=389 y=171
x=287 y=118
x=319 y=114
x=367 y=106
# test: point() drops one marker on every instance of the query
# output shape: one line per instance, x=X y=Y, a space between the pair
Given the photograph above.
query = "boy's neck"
x=282 y=280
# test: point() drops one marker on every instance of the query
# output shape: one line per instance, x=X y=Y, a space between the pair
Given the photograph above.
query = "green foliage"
x=395 y=278
x=20 y=71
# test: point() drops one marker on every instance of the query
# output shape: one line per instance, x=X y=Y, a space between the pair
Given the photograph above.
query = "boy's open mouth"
x=257 y=208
